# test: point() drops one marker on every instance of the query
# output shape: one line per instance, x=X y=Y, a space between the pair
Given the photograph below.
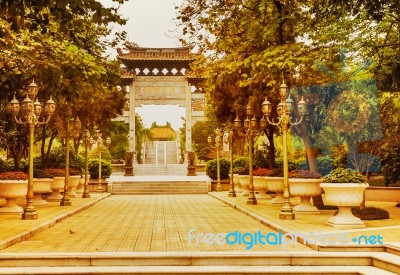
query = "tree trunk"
x=312 y=161
x=269 y=132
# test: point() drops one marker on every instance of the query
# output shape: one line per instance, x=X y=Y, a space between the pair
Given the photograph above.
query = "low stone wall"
x=375 y=193
x=212 y=185
x=118 y=167
x=93 y=184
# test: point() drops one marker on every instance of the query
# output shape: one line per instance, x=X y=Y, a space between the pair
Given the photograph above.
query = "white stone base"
x=11 y=207
x=278 y=199
x=305 y=206
x=345 y=219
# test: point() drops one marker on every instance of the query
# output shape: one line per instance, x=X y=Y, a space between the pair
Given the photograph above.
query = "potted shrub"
x=305 y=184
x=93 y=167
x=275 y=184
x=345 y=189
x=41 y=185
x=74 y=179
x=224 y=168
x=13 y=185
x=238 y=165
x=58 y=176
x=243 y=176
x=259 y=181
x=238 y=187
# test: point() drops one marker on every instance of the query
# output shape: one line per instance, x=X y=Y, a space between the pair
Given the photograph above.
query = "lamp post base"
x=86 y=195
x=29 y=214
x=286 y=216
x=65 y=202
x=251 y=200
x=99 y=189
x=231 y=194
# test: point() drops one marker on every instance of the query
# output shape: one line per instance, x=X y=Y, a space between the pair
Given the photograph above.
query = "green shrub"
x=325 y=165
x=260 y=160
x=341 y=175
x=293 y=164
x=244 y=170
x=236 y=170
x=94 y=168
x=211 y=169
x=57 y=159
x=5 y=166
x=240 y=162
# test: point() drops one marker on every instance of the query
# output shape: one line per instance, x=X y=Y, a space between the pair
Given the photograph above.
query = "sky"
x=151 y=24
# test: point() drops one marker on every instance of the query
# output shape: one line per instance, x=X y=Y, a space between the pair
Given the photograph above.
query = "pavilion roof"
x=162 y=133
x=156 y=54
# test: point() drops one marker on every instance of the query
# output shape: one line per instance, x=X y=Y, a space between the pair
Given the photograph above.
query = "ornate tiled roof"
x=156 y=54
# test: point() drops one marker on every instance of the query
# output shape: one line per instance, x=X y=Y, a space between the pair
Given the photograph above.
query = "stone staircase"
x=155 y=186
x=160 y=152
x=160 y=169
x=285 y=262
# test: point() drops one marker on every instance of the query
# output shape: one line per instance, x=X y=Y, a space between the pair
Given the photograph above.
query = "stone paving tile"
x=12 y=225
x=147 y=223
x=389 y=229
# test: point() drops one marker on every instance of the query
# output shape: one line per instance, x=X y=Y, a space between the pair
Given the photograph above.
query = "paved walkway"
x=147 y=223
x=163 y=222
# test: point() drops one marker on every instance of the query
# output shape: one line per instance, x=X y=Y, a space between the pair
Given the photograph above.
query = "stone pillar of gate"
x=132 y=115
x=188 y=122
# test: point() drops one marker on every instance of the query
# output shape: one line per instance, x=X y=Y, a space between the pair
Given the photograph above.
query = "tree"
x=201 y=130
x=182 y=139
x=118 y=131
x=71 y=69
x=249 y=49
x=141 y=135
x=72 y=16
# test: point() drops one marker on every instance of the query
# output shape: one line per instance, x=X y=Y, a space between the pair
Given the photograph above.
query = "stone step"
x=285 y=262
x=165 y=152
x=160 y=169
x=173 y=270
x=160 y=187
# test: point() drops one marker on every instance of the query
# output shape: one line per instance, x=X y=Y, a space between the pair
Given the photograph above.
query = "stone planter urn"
x=11 y=190
x=305 y=189
x=56 y=186
x=244 y=183
x=238 y=186
x=260 y=185
x=345 y=196
x=81 y=186
x=275 y=184
x=73 y=184
x=41 y=186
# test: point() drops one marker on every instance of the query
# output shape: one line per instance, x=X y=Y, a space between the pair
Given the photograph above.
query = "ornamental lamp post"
x=218 y=142
x=31 y=115
x=66 y=201
x=284 y=121
x=88 y=142
x=99 y=141
x=252 y=128
x=231 y=192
